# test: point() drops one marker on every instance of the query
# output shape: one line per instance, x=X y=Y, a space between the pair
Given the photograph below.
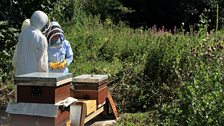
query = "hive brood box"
x=41 y=87
x=91 y=87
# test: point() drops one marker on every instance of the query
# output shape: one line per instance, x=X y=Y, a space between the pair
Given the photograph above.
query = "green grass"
x=136 y=119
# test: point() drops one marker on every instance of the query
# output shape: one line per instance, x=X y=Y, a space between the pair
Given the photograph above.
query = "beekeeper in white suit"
x=25 y=24
x=31 y=51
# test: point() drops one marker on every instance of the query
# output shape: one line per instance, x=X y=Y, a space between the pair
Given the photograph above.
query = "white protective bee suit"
x=31 y=51
x=25 y=24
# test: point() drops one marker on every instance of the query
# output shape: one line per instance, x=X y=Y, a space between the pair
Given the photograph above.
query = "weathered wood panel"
x=42 y=94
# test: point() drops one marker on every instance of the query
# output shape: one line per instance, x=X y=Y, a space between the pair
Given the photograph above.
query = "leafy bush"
x=8 y=36
x=105 y=8
x=199 y=99
x=153 y=70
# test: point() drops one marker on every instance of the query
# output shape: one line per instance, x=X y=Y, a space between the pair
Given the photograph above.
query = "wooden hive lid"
x=34 y=109
x=43 y=79
x=87 y=78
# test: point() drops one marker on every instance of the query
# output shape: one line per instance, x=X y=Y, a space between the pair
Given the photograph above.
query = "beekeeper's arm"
x=68 y=56
x=69 y=53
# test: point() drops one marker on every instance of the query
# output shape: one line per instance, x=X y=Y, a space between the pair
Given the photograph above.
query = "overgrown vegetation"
x=174 y=78
x=179 y=76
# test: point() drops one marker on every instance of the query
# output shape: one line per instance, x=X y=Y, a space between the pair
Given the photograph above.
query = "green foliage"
x=199 y=99
x=105 y=8
x=8 y=36
x=147 y=13
x=179 y=76
x=137 y=119
x=59 y=10
x=7 y=94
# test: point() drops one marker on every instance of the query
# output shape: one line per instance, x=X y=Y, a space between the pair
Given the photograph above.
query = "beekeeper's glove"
x=53 y=65
x=62 y=65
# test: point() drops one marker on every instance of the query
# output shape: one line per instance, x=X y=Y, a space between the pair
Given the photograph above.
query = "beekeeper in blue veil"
x=60 y=53
x=31 y=50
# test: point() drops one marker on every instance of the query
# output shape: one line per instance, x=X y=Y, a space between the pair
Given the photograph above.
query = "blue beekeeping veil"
x=55 y=30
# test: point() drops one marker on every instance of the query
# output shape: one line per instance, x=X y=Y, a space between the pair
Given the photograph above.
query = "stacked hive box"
x=91 y=90
x=37 y=95
x=91 y=87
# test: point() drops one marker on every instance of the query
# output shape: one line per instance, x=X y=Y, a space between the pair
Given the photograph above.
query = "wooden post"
x=112 y=105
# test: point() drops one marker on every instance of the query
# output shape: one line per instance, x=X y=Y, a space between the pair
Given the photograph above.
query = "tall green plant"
x=199 y=97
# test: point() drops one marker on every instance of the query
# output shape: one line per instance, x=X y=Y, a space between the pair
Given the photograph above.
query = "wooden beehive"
x=38 y=95
x=91 y=87
x=36 y=114
x=41 y=87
